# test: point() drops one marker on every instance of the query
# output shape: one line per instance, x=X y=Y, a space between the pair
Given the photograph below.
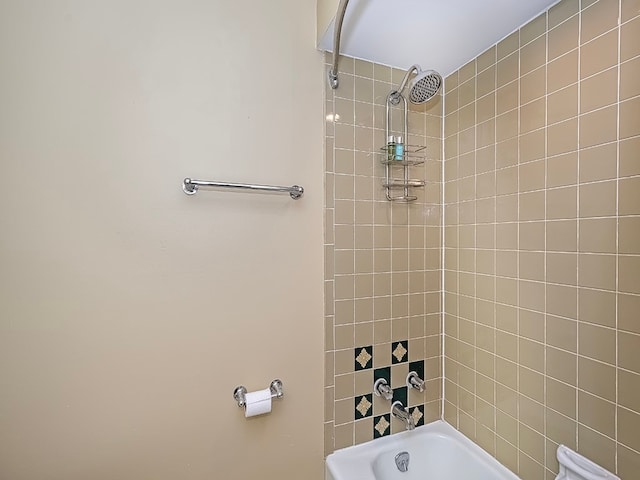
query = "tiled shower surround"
x=542 y=241
x=541 y=227
x=382 y=261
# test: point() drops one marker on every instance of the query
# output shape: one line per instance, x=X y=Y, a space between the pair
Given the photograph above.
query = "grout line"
x=617 y=348
x=517 y=300
x=475 y=217
x=546 y=173
x=495 y=256
x=578 y=220
x=443 y=253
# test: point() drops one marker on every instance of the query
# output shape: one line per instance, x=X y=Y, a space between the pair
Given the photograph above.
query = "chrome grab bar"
x=190 y=187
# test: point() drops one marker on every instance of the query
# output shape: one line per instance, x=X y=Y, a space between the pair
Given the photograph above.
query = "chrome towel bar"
x=190 y=187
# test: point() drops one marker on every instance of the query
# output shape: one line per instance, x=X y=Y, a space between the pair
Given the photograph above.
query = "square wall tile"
x=399 y=352
x=363 y=358
x=363 y=406
x=599 y=54
x=381 y=426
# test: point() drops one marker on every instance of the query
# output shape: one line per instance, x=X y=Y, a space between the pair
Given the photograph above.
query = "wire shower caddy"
x=412 y=155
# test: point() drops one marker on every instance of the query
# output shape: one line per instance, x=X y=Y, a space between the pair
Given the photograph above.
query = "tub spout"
x=398 y=411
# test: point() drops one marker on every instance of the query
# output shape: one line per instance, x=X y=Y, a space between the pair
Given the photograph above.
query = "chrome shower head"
x=422 y=87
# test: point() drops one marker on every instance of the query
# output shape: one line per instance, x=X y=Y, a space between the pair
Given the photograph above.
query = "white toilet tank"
x=574 y=466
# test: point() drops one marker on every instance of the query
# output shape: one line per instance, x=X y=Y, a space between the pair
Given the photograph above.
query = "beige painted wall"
x=326 y=12
x=129 y=311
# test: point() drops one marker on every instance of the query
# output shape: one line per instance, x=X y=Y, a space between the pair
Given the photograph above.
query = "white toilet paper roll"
x=257 y=403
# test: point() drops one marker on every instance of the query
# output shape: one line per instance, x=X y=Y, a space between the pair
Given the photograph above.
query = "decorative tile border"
x=363 y=405
x=384 y=372
x=399 y=352
x=417 y=367
x=367 y=405
x=400 y=395
x=382 y=426
x=417 y=413
x=363 y=358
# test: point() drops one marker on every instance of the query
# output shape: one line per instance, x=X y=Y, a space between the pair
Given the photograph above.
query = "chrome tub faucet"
x=398 y=410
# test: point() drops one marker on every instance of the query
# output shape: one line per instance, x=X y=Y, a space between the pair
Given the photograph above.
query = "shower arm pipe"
x=394 y=94
x=337 y=31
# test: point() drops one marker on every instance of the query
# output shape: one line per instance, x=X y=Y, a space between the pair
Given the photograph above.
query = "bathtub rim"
x=350 y=459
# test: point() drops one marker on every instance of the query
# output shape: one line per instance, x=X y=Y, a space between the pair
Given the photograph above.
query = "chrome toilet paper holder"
x=240 y=392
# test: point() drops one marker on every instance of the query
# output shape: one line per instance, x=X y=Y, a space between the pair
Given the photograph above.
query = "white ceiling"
x=442 y=35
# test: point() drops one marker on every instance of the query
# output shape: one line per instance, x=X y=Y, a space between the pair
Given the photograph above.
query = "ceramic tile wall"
x=542 y=241
x=382 y=267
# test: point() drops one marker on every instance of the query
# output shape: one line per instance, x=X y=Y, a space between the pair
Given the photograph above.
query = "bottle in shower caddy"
x=399 y=149
x=391 y=148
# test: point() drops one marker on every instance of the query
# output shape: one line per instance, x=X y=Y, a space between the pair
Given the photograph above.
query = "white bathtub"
x=437 y=452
